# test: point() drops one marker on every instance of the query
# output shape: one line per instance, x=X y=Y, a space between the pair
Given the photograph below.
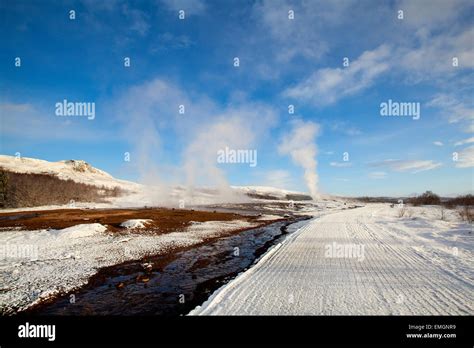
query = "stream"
x=173 y=285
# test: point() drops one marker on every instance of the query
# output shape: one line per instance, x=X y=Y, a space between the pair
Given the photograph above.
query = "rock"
x=147 y=266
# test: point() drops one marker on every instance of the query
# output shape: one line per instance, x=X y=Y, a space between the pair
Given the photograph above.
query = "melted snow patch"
x=135 y=223
x=215 y=227
x=269 y=217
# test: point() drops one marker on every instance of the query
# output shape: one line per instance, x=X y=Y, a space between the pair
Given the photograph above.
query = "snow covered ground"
x=365 y=261
x=36 y=264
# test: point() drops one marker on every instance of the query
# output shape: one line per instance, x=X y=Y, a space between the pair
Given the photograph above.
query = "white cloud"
x=438 y=143
x=326 y=86
x=413 y=166
x=432 y=58
x=454 y=109
x=465 y=141
x=300 y=37
x=465 y=158
x=431 y=14
x=138 y=19
x=427 y=55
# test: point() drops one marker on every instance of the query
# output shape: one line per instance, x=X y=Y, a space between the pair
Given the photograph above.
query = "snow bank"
x=79 y=231
x=135 y=223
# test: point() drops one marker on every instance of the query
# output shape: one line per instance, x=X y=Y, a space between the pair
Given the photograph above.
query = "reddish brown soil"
x=164 y=220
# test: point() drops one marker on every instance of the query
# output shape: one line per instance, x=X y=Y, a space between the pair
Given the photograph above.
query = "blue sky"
x=283 y=61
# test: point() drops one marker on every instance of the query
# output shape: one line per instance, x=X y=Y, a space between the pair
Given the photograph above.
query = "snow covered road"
x=364 y=261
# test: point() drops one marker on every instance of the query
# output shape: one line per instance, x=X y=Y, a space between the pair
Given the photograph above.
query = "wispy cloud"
x=465 y=158
x=454 y=109
x=139 y=20
x=340 y=164
x=191 y=7
x=328 y=85
x=438 y=143
x=440 y=13
x=413 y=166
x=465 y=141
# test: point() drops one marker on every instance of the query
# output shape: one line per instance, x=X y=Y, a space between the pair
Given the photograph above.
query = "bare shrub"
x=3 y=189
x=427 y=198
x=409 y=213
x=402 y=211
x=466 y=200
x=467 y=214
x=442 y=212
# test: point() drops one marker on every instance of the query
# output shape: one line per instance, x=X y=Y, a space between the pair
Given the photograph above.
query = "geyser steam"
x=300 y=144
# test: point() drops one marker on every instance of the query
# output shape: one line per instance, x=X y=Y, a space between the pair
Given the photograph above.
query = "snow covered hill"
x=76 y=170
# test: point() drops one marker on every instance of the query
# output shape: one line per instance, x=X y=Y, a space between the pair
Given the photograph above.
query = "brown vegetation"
x=427 y=198
x=31 y=190
x=467 y=214
x=466 y=200
x=164 y=220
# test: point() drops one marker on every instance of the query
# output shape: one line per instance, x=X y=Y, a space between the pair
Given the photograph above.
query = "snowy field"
x=365 y=261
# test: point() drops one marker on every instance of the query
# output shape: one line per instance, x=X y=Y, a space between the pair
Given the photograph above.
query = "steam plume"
x=300 y=144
